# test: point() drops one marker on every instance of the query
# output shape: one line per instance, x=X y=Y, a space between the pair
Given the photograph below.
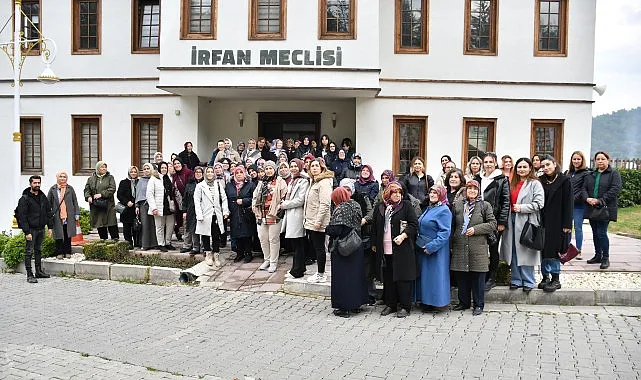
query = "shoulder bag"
x=120 y=207
x=349 y=244
x=533 y=236
x=491 y=237
x=601 y=213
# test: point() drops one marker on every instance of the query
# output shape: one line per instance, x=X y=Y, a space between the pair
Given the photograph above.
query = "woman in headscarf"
x=222 y=177
x=394 y=234
x=433 y=251
x=211 y=207
x=101 y=184
x=158 y=198
x=305 y=148
x=127 y=197
x=158 y=158
x=242 y=222
x=331 y=155
x=367 y=184
x=271 y=190
x=284 y=173
x=148 y=226
x=188 y=157
x=473 y=221
x=293 y=205
x=191 y=242
x=349 y=291
x=179 y=180
x=64 y=203
x=353 y=169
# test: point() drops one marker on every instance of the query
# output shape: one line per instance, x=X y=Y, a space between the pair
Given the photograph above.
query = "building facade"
x=399 y=77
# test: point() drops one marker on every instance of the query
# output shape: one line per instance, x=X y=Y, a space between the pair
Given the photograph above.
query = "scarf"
x=442 y=196
x=98 y=166
x=362 y=180
x=595 y=192
x=469 y=206
x=388 y=208
x=141 y=189
x=62 y=188
x=239 y=184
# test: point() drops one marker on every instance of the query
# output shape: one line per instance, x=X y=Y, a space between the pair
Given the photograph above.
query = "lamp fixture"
x=241 y=118
x=333 y=119
x=600 y=89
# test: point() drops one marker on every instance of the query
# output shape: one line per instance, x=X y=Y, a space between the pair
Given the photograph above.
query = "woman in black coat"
x=557 y=220
x=189 y=157
x=243 y=224
x=577 y=173
x=126 y=195
x=601 y=188
x=192 y=241
x=394 y=234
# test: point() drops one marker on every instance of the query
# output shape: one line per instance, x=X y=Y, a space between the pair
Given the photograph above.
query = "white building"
x=400 y=78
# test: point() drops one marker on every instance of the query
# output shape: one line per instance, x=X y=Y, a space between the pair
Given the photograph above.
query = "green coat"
x=469 y=254
x=106 y=187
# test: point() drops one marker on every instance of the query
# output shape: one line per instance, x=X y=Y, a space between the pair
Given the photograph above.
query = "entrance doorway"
x=289 y=125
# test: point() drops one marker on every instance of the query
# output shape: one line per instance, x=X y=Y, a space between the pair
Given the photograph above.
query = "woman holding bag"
x=62 y=198
x=99 y=193
x=527 y=199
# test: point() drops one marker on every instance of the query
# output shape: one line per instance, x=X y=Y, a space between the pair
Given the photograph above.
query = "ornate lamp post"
x=17 y=50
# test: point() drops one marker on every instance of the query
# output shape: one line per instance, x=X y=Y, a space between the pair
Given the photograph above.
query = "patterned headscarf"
x=442 y=194
x=98 y=166
x=469 y=205
x=387 y=193
x=340 y=195
x=389 y=174
x=371 y=177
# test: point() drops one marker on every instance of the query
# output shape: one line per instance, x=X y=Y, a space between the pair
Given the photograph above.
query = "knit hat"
x=271 y=164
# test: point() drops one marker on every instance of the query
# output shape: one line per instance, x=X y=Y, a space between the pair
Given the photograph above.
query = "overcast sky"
x=618 y=55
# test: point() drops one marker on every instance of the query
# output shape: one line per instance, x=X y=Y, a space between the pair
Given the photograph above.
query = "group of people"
x=416 y=235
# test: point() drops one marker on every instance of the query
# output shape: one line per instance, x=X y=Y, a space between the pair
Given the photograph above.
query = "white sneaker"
x=288 y=275
x=322 y=277
x=317 y=278
x=209 y=259
x=272 y=268
x=264 y=265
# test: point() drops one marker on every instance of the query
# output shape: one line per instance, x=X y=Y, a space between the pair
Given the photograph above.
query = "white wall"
x=445 y=127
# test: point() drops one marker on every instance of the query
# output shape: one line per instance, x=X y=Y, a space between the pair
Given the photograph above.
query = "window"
x=146 y=26
x=411 y=26
x=268 y=19
x=198 y=19
x=31 y=145
x=86 y=27
x=87 y=149
x=409 y=141
x=481 y=17
x=337 y=19
x=550 y=28
x=30 y=24
x=146 y=139
x=547 y=138
x=478 y=138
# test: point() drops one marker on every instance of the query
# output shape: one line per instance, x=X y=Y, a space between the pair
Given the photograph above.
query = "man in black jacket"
x=34 y=213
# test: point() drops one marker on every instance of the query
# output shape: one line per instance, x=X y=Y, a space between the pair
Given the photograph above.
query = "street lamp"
x=17 y=50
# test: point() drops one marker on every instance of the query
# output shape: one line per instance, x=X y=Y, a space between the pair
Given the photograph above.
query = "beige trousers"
x=269 y=236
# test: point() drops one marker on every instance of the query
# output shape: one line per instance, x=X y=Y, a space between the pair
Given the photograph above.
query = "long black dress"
x=349 y=290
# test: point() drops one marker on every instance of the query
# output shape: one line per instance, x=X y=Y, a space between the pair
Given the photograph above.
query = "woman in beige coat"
x=317 y=213
x=269 y=193
x=210 y=205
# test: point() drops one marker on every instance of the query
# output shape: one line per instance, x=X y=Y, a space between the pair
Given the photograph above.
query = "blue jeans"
x=578 y=225
x=600 y=237
x=522 y=275
x=550 y=266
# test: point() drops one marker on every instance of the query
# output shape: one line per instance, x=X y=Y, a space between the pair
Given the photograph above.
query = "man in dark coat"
x=34 y=213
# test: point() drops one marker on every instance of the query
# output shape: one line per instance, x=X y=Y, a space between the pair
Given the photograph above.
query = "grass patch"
x=151 y=369
x=628 y=222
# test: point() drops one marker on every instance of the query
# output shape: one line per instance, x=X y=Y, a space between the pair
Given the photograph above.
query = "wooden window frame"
x=75 y=33
x=254 y=34
x=559 y=127
x=23 y=149
x=77 y=168
x=135 y=31
x=491 y=137
x=494 y=30
x=563 y=31
x=323 y=34
x=36 y=48
x=425 y=36
x=135 y=137
x=185 y=14
x=398 y=119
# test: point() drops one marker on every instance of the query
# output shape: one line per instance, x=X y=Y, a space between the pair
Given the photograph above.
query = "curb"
x=503 y=294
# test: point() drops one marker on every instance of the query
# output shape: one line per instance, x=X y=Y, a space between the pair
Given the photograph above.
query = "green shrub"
x=48 y=246
x=503 y=274
x=631 y=191
x=4 y=238
x=85 y=221
x=13 y=252
x=114 y=252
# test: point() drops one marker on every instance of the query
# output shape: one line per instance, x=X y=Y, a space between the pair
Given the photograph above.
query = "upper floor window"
x=268 y=19
x=199 y=19
x=550 y=28
x=86 y=27
x=547 y=138
x=146 y=26
x=337 y=19
x=31 y=144
x=481 y=18
x=411 y=26
x=30 y=23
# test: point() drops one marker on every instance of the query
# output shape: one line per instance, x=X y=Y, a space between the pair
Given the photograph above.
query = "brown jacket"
x=318 y=201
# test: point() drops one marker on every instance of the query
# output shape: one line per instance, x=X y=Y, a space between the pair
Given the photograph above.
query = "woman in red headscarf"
x=349 y=290
x=433 y=252
x=393 y=237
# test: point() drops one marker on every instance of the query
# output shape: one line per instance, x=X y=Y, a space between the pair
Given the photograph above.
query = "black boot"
x=605 y=263
x=30 y=278
x=239 y=257
x=248 y=257
x=595 y=260
x=40 y=273
x=544 y=281
x=553 y=285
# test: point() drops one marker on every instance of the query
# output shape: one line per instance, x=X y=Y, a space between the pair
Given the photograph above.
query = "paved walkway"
x=64 y=328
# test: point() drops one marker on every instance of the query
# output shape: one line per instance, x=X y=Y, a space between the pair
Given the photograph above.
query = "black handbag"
x=100 y=203
x=349 y=244
x=137 y=223
x=533 y=236
x=600 y=213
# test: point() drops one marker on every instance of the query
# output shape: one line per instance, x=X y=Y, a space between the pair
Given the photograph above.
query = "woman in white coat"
x=526 y=202
x=210 y=205
x=157 y=202
x=293 y=204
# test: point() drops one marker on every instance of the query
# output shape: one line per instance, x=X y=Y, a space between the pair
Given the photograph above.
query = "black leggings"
x=113 y=231
x=214 y=239
x=298 y=266
x=244 y=245
x=63 y=246
x=318 y=245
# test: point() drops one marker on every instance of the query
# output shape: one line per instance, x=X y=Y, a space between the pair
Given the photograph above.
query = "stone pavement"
x=64 y=328
x=625 y=254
